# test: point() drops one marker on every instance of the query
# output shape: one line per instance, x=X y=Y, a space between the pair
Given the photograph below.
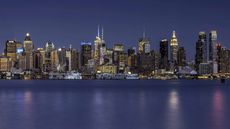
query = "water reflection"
x=27 y=97
x=218 y=109
x=174 y=120
x=142 y=102
x=173 y=101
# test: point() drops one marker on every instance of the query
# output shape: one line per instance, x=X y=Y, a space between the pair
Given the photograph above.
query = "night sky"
x=71 y=21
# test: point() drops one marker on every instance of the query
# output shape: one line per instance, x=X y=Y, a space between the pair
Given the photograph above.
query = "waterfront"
x=136 y=104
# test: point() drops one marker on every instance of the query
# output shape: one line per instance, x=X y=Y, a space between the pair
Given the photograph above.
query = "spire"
x=98 y=31
x=70 y=46
x=102 y=33
x=174 y=34
x=27 y=38
x=144 y=34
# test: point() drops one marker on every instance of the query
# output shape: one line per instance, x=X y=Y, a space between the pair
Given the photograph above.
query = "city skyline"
x=70 y=22
x=154 y=47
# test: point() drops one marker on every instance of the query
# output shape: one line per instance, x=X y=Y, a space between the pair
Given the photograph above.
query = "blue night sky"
x=71 y=21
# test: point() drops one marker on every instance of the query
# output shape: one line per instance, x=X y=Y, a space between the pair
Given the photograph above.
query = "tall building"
x=212 y=45
x=62 y=67
x=37 y=60
x=181 y=56
x=218 y=51
x=28 y=48
x=86 y=52
x=163 y=54
x=11 y=50
x=174 y=48
x=144 y=45
x=19 y=54
x=5 y=64
x=117 y=49
x=99 y=48
x=49 y=47
x=109 y=57
x=132 y=58
x=223 y=59
x=119 y=58
x=42 y=60
x=145 y=63
x=54 y=60
x=201 y=50
x=72 y=57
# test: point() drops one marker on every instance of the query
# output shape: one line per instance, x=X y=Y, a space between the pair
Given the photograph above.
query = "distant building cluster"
x=91 y=59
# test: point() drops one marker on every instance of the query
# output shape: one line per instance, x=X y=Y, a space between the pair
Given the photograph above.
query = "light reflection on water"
x=174 y=120
x=218 y=109
x=139 y=106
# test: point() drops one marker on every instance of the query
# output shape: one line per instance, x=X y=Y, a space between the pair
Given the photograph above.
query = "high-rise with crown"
x=174 y=47
x=28 y=49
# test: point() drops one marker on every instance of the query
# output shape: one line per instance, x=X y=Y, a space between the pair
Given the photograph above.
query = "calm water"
x=114 y=105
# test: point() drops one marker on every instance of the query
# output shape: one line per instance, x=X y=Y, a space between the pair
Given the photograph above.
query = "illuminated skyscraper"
x=72 y=57
x=62 y=60
x=99 y=48
x=201 y=50
x=144 y=45
x=10 y=50
x=223 y=59
x=54 y=60
x=28 y=48
x=49 y=47
x=86 y=49
x=174 y=48
x=212 y=45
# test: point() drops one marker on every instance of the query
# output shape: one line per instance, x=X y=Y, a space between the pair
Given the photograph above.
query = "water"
x=114 y=105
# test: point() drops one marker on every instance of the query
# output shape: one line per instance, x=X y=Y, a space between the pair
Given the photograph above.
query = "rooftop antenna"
x=102 y=33
x=144 y=32
x=98 y=31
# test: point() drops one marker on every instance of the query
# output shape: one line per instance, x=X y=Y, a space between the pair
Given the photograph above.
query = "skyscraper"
x=99 y=48
x=144 y=45
x=212 y=45
x=10 y=50
x=72 y=57
x=54 y=60
x=86 y=49
x=48 y=48
x=28 y=48
x=181 y=56
x=223 y=59
x=174 y=48
x=163 y=54
x=201 y=50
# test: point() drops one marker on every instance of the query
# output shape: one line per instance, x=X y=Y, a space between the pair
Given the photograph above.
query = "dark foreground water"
x=114 y=105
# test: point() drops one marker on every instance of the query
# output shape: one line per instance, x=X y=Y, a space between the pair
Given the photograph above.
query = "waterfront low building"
x=5 y=64
x=107 y=69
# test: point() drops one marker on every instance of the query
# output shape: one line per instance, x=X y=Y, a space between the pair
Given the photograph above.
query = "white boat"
x=132 y=77
x=119 y=76
x=104 y=76
x=56 y=76
x=73 y=76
